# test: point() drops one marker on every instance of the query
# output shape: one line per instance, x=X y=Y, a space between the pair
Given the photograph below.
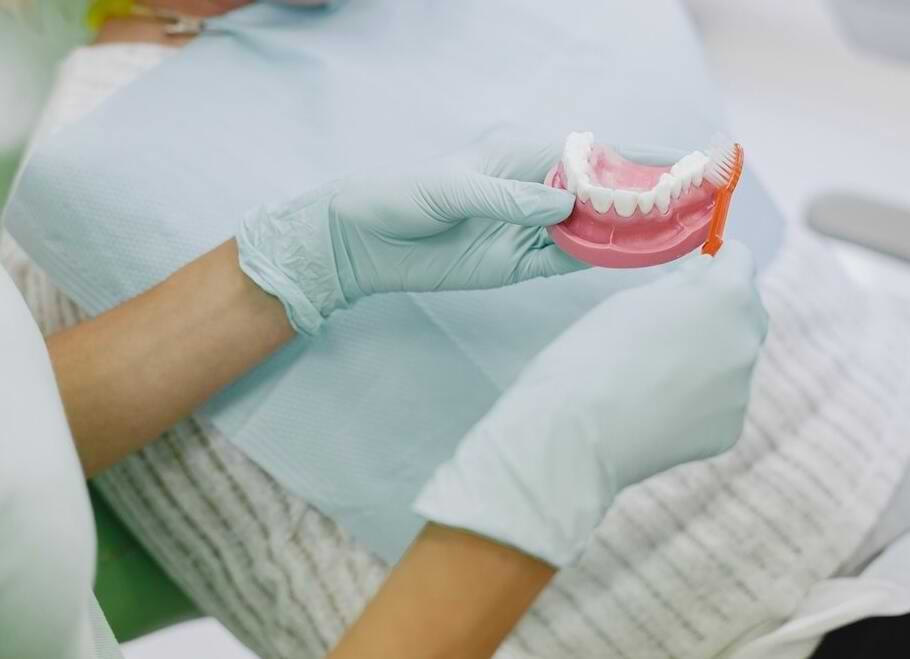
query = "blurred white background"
x=814 y=112
x=27 y=57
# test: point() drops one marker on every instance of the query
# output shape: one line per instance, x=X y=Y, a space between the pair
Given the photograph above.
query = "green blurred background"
x=34 y=36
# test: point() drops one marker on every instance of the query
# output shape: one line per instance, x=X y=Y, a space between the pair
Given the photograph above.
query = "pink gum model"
x=642 y=239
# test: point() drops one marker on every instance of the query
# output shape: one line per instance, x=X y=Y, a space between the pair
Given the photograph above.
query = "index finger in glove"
x=467 y=195
x=508 y=153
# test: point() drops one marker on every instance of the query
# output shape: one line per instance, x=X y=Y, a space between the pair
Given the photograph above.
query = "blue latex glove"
x=472 y=221
x=653 y=377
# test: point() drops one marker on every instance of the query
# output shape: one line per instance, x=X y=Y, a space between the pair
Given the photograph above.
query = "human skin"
x=134 y=371
x=454 y=595
x=138 y=30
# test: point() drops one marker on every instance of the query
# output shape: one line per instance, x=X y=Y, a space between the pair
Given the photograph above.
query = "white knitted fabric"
x=690 y=564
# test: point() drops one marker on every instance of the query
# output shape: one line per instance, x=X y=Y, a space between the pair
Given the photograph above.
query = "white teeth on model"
x=662 y=195
x=625 y=202
x=686 y=172
x=672 y=182
x=646 y=201
x=686 y=180
x=583 y=189
x=575 y=158
x=601 y=198
x=690 y=169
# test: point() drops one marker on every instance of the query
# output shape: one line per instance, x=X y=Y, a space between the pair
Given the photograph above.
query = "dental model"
x=630 y=215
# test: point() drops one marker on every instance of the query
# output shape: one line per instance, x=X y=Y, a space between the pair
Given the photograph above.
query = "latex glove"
x=653 y=377
x=455 y=224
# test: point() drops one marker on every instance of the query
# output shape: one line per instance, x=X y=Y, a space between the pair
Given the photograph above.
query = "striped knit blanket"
x=689 y=564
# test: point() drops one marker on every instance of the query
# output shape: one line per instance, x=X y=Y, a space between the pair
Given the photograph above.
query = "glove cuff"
x=521 y=528
x=527 y=494
x=288 y=252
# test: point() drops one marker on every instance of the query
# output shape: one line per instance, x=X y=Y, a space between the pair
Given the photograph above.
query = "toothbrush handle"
x=718 y=221
x=724 y=196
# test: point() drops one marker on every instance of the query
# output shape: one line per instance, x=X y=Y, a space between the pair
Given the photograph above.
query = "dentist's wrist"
x=289 y=253
x=454 y=594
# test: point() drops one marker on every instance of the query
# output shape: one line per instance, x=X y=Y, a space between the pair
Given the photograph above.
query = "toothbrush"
x=723 y=171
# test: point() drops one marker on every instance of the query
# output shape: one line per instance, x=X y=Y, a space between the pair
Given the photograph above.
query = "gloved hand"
x=455 y=224
x=653 y=377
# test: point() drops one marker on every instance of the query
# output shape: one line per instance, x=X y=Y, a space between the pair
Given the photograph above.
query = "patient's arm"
x=454 y=595
x=133 y=372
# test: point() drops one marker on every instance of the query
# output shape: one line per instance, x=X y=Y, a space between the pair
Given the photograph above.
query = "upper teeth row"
x=688 y=171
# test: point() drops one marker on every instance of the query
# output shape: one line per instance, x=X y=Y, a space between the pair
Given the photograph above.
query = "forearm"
x=134 y=371
x=454 y=595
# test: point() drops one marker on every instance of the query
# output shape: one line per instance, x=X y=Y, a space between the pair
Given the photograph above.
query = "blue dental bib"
x=277 y=100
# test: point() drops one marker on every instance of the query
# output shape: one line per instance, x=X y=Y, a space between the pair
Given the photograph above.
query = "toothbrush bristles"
x=721 y=161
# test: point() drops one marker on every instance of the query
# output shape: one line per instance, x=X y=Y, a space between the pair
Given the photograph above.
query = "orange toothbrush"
x=723 y=171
